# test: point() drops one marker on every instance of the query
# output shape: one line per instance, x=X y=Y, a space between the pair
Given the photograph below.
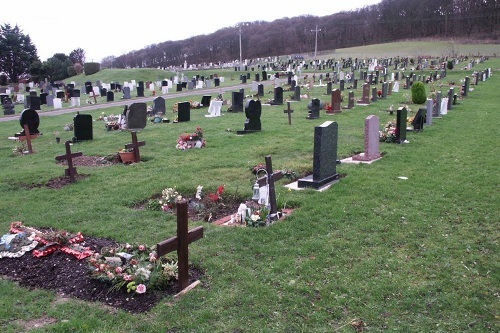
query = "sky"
x=112 y=28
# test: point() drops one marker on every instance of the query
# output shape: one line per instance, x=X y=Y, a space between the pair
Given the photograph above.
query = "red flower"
x=220 y=189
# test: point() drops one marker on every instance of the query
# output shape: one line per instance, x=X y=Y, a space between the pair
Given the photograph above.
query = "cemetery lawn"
x=406 y=244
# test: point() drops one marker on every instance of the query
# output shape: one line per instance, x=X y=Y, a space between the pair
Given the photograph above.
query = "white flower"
x=255 y=217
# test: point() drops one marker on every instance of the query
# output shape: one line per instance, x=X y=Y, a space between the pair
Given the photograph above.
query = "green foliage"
x=17 y=52
x=91 y=68
x=77 y=56
x=71 y=71
x=418 y=95
x=55 y=68
x=36 y=70
x=449 y=64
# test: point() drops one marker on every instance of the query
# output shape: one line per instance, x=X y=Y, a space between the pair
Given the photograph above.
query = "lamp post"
x=240 y=45
x=315 y=44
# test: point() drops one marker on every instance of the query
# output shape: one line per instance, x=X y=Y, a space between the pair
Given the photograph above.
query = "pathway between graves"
x=122 y=102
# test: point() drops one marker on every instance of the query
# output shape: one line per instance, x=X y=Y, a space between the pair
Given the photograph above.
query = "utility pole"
x=240 y=46
x=315 y=44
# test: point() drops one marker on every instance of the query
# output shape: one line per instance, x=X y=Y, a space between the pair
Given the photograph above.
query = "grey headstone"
x=429 y=104
x=126 y=93
x=159 y=105
x=371 y=145
x=136 y=116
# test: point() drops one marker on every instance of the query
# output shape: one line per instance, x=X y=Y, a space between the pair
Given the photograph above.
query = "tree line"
x=387 y=21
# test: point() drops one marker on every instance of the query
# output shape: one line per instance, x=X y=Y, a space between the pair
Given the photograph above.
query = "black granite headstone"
x=205 y=100
x=278 y=96
x=315 y=107
x=140 y=91
x=110 y=96
x=419 y=119
x=401 y=125
x=183 y=111
x=253 y=111
x=260 y=90
x=82 y=128
x=237 y=101
x=29 y=117
x=324 y=158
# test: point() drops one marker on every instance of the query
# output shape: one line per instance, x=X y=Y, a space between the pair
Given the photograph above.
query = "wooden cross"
x=95 y=99
x=289 y=111
x=71 y=170
x=181 y=242
x=269 y=179
x=27 y=135
x=135 y=146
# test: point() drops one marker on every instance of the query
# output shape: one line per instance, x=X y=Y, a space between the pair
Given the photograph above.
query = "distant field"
x=415 y=48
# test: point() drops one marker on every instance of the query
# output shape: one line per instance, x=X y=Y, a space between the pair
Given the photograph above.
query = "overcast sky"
x=111 y=28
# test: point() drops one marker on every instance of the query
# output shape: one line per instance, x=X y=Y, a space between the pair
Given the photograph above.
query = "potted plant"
x=127 y=155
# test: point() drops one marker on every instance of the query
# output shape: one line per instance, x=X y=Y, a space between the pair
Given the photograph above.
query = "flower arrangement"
x=190 y=140
x=134 y=267
x=388 y=134
x=216 y=196
x=168 y=198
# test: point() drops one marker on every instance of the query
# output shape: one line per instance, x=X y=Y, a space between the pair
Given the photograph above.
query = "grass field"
x=372 y=253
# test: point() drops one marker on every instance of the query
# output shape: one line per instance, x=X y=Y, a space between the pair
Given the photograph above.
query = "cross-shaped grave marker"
x=269 y=180
x=135 y=146
x=95 y=98
x=71 y=170
x=27 y=135
x=181 y=242
x=289 y=111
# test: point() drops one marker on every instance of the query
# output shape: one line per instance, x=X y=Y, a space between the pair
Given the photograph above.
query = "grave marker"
x=289 y=111
x=71 y=170
x=135 y=146
x=183 y=111
x=314 y=109
x=401 y=125
x=253 y=111
x=136 y=116
x=268 y=180
x=325 y=157
x=82 y=127
x=371 y=145
x=180 y=243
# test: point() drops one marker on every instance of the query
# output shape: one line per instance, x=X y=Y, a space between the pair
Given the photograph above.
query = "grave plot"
x=60 y=270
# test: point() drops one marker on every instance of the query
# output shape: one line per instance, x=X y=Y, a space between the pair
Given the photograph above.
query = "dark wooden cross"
x=71 y=170
x=95 y=99
x=269 y=179
x=289 y=111
x=181 y=242
x=27 y=135
x=135 y=146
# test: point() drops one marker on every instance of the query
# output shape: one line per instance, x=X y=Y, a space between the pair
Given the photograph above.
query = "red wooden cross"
x=135 y=146
x=289 y=111
x=71 y=170
x=28 y=137
x=269 y=179
x=181 y=242
x=95 y=99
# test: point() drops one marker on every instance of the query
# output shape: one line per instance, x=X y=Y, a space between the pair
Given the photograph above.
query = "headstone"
x=8 y=106
x=126 y=93
x=110 y=96
x=57 y=103
x=324 y=157
x=183 y=111
x=371 y=145
x=401 y=125
x=214 y=109
x=140 y=91
x=336 y=97
x=50 y=100
x=350 y=102
x=365 y=99
x=253 y=111
x=268 y=181
x=374 y=94
x=296 y=96
x=314 y=110
x=237 y=101
x=216 y=82
x=136 y=116
x=205 y=100
x=179 y=87
x=444 y=106
x=419 y=120
x=278 y=96
x=329 y=88
x=159 y=105
x=82 y=127
x=260 y=90
x=33 y=102
x=43 y=98
x=430 y=111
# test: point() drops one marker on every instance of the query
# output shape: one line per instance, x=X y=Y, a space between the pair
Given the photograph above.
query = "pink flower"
x=133 y=262
x=152 y=257
x=142 y=248
x=110 y=275
x=140 y=289
x=128 y=277
x=118 y=270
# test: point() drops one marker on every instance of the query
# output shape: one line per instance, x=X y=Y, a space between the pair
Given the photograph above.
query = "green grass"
x=416 y=255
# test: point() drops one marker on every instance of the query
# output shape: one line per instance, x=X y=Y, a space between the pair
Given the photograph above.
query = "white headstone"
x=97 y=91
x=395 y=87
x=20 y=98
x=164 y=90
x=444 y=105
x=199 y=84
x=75 y=101
x=151 y=87
x=57 y=103
x=214 y=109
